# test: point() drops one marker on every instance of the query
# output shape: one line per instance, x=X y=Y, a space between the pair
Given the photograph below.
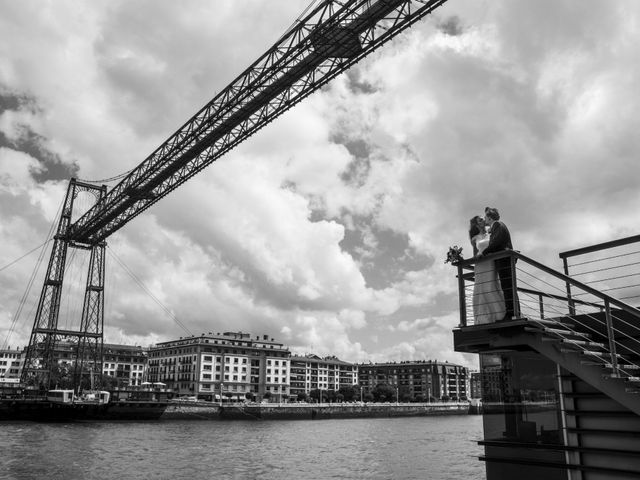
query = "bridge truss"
x=333 y=36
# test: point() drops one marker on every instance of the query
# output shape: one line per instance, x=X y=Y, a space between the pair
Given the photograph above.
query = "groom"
x=500 y=239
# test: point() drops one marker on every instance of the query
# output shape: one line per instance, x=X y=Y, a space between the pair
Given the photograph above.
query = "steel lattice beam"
x=331 y=38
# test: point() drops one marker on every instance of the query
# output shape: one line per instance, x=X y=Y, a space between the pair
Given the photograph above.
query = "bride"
x=488 y=299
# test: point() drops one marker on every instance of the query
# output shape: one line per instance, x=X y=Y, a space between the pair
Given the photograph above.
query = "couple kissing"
x=493 y=293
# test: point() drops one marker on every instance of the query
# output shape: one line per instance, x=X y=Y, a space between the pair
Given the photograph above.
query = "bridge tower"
x=42 y=364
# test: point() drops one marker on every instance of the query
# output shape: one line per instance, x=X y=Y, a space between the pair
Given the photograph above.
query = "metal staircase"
x=587 y=358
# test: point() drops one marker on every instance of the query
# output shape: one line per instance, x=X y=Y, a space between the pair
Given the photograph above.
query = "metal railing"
x=611 y=267
x=582 y=317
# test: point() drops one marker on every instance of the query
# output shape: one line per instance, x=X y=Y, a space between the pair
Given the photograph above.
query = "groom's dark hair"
x=492 y=213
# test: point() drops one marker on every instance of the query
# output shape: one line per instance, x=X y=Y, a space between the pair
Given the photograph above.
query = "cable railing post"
x=572 y=305
x=514 y=287
x=461 y=297
x=612 y=341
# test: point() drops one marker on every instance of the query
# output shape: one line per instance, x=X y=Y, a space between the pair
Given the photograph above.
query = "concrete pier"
x=198 y=410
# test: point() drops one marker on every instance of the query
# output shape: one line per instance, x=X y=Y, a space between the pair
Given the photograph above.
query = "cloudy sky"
x=328 y=229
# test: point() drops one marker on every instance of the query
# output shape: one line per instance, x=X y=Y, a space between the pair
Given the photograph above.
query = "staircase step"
x=570 y=333
x=551 y=323
x=586 y=352
x=551 y=339
x=540 y=328
x=624 y=366
x=583 y=343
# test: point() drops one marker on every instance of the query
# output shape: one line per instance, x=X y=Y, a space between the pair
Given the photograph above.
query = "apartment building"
x=126 y=363
x=10 y=365
x=231 y=365
x=417 y=380
x=311 y=372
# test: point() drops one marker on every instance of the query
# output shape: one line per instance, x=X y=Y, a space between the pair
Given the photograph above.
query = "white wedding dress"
x=488 y=299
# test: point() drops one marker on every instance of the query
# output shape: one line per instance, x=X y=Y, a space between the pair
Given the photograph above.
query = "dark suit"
x=500 y=240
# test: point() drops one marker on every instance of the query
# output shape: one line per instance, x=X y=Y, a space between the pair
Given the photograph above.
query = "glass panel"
x=520 y=398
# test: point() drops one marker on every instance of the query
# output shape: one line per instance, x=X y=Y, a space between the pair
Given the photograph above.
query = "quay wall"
x=211 y=411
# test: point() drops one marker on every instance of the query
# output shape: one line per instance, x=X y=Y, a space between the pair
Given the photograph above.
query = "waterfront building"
x=311 y=372
x=560 y=384
x=10 y=365
x=231 y=365
x=126 y=363
x=420 y=380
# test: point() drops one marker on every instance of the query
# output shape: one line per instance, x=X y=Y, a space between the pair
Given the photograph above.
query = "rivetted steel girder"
x=331 y=38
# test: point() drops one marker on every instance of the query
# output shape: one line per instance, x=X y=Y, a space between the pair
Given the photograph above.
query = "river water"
x=430 y=448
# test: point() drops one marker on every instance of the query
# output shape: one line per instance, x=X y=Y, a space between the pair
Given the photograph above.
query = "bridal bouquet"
x=454 y=255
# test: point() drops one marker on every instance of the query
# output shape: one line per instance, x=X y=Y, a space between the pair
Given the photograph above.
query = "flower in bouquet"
x=454 y=255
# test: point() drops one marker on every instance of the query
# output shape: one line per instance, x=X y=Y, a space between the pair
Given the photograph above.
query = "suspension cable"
x=25 y=255
x=148 y=292
x=108 y=180
x=34 y=272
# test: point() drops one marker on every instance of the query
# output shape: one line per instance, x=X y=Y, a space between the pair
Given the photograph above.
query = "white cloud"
x=531 y=108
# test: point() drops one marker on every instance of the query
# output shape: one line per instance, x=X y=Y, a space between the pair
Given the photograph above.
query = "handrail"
x=583 y=286
x=515 y=255
x=558 y=297
x=600 y=246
